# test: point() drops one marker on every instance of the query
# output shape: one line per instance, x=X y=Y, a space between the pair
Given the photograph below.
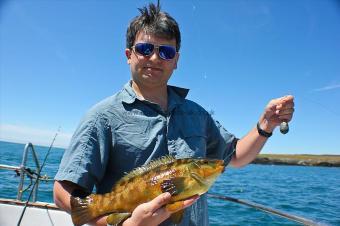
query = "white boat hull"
x=38 y=213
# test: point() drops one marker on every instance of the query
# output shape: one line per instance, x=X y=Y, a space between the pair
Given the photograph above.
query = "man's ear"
x=128 y=55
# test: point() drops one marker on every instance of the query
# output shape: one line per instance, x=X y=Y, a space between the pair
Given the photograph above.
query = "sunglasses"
x=164 y=51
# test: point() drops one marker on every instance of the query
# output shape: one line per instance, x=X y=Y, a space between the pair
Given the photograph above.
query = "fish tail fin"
x=81 y=210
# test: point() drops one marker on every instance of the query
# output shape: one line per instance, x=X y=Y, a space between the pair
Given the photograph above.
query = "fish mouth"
x=222 y=168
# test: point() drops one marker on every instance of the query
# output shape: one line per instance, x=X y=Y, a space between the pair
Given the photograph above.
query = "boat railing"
x=28 y=146
x=23 y=171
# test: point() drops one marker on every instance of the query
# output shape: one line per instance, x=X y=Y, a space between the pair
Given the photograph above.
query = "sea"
x=309 y=192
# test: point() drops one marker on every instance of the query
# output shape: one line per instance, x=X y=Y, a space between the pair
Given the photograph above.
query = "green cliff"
x=299 y=160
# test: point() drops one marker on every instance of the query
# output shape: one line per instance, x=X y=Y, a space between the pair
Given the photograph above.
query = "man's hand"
x=277 y=111
x=153 y=213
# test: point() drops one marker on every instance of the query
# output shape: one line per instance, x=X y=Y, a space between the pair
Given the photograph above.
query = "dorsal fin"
x=150 y=166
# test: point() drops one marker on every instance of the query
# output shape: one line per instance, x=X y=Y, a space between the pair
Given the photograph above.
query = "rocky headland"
x=298 y=160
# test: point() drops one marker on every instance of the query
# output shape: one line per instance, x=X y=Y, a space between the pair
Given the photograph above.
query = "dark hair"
x=155 y=22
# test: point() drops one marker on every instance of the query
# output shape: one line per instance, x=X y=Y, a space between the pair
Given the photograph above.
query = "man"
x=149 y=119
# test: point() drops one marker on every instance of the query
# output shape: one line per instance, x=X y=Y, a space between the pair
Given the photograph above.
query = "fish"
x=182 y=178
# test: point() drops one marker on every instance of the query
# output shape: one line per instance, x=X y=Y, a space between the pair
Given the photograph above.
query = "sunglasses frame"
x=154 y=47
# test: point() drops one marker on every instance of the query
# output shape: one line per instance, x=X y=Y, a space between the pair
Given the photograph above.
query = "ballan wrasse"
x=183 y=178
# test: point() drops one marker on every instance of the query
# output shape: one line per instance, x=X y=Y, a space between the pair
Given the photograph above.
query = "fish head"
x=206 y=170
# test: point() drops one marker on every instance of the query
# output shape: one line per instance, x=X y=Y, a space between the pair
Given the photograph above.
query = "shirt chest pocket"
x=191 y=143
x=133 y=135
x=131 y=142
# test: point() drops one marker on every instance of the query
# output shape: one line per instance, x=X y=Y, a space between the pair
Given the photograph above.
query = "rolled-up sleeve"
x=220 y=143
x=84 y=162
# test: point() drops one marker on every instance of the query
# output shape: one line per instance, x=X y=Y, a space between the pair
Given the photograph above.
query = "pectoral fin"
x=176 y=218
x=116 y=218
x=174 y=185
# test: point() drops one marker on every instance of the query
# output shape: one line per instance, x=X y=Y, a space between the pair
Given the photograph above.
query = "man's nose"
x=155 y=55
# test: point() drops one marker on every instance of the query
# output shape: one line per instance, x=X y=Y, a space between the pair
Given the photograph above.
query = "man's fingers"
x=288 y=98
x=180 y=205
x=284 y=101
x=190 y=201
x=159 y=201
x=285 y=118
x=156 y=205
x=162 y=214
x=282 y=112
x=285 y=106
x=151 y=213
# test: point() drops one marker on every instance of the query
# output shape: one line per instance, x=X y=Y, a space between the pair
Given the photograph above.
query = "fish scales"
x=183 y=178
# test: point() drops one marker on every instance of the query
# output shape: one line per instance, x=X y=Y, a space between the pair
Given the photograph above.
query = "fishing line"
x=38 y=176
x=320 y=105
x=298 y=219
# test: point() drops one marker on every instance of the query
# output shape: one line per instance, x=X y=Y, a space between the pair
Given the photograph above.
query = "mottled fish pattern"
x=183 y=178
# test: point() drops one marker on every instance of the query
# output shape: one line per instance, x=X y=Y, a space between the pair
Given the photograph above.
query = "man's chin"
x=152 y=75
x=152 y=78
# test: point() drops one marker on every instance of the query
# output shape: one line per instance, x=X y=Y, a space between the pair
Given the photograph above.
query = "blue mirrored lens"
x=167 y=52
x=144 y=48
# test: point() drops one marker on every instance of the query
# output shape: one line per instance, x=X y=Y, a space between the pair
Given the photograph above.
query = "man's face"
x=151 y=71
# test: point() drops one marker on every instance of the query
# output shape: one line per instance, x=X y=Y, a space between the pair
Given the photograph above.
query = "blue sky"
x=58 y=58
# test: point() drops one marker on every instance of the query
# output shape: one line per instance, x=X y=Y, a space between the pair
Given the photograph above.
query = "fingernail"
x=167 y=195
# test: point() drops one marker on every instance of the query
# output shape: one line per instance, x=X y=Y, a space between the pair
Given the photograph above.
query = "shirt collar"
x=176 y=95
x=128 y=95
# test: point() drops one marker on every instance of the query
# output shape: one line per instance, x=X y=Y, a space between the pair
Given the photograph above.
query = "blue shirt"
x=123 y=132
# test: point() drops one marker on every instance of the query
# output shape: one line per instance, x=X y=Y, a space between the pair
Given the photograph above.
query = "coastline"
x=298 y=160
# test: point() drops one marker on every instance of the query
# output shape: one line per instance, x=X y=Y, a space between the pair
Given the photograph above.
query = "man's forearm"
x=247 y=148
x=61 y=194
